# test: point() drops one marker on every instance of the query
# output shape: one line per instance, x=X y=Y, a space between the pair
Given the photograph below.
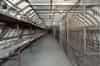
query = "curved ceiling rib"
x=82 y=20
x=96 y=14
x=23 y=9
x=75 y=18
x=85 y=19
x=11 y=4
x=92 y=17
x=14 y=5
x=34 y=10
x=96 y=10
x=14 y=1
x=88 y=15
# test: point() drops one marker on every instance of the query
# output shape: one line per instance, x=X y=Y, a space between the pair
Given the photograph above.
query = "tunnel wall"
x=83 y=46
x=82 y=43
x=14 y=36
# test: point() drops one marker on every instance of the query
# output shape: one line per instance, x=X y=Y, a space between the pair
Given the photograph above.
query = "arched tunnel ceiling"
x=48 y=9
x=45 y=12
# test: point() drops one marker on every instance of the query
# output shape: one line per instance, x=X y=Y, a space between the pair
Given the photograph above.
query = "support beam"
x=34 y=10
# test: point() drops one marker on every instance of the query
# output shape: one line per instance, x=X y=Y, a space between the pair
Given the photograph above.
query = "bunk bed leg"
x=31 y=48
x=19 y=59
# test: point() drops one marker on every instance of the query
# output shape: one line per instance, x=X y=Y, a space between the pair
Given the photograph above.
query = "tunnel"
x=49 y=33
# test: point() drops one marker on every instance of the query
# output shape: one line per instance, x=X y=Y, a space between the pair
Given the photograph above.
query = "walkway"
x=46 y=53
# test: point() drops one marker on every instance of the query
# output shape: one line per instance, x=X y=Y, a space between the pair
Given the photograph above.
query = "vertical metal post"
x=84 y=40
x=60 y=33
x=84 y=31
x=66 y=47
x=67 y=28
x=19 y=54
x=51 y=3
x=19 y=59
x=54 y=31
x=18 y=29
x=31 y=47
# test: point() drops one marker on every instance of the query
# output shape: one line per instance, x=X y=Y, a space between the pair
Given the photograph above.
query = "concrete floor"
x=46 y=53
